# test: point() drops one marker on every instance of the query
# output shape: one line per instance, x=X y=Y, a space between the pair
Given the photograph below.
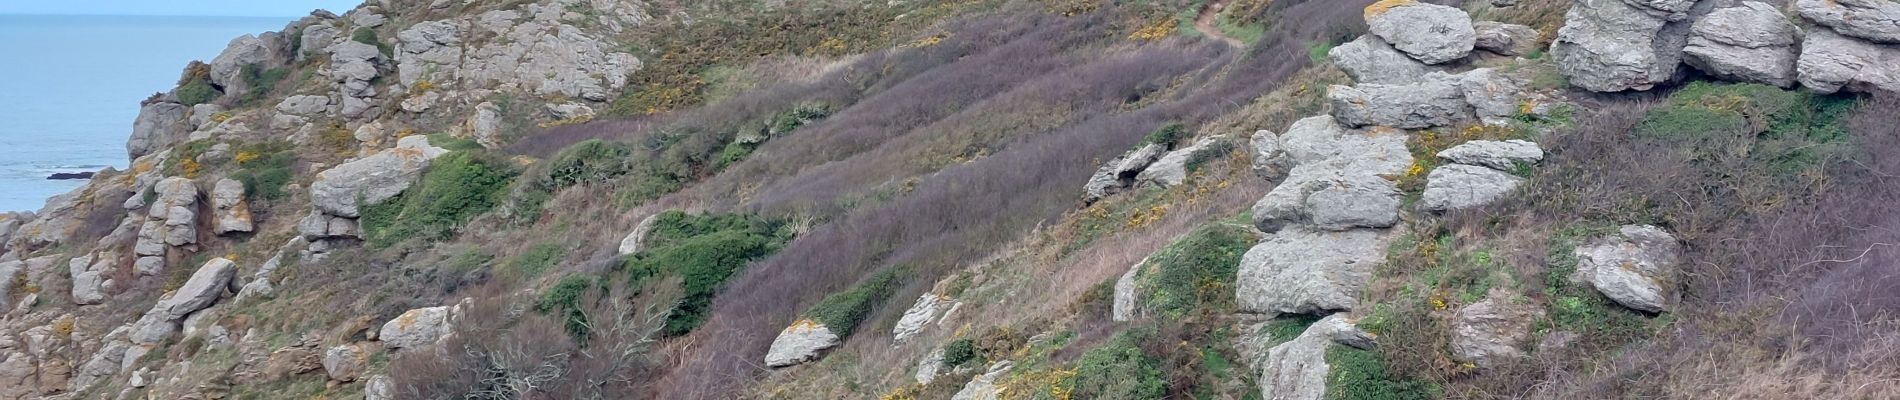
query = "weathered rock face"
x=1297 y=369
x=1612 y=45
x=1127 y=294
x=1505 y=39
x=89 y=277
x=1499 y=155
x=983 y=387
x=1460 y=186
x=1637 y=267
x=1831 y=62
x=1269 y=161
x=1435 y=100
x=928 y=367
x=160 y=125
x=1494 y=96
x=316 y=40
x=1338 y=181
x=1430 y=33
x=342 y=190
x=204 y=288
x=232 y=213
x=1173 y=168
x=631 y=243
x=800 y=343
x=380 y=387
x=345 y=362
x=1752 y=42
x=1490 y=330
x=918 y=316
x=1369 y=59
x=1873 y=20
x=1119 y=174
x=417 y=328
x=533 y=47
x=352 y=67
x=1300 y=271
x=260 y=284
x=228 y=67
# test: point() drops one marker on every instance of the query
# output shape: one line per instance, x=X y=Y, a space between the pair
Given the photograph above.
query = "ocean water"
x=70 y=87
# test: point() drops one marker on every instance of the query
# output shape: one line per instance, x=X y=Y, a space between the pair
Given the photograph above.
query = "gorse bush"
x=702 y=251
x=264 y=168
x=843 y=311
x=1197 y=272
x=958 y=352
x=456 y=187
x=564 y=301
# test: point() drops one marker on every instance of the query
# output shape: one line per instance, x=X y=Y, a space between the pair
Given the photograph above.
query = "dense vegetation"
x=457 y=187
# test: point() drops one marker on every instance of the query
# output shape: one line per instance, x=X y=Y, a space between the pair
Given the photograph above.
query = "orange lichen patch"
x=1379 y=8
x=407 y=319
x=804 y=325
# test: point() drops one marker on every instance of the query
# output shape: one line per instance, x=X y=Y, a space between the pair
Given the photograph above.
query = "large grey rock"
x=486 y=124
x=160 y=125
x=1119 y=174
x=1435 y=100
x=204 y=288
x=1490 y=330
x=631 y=243
x=1339 y=180
x=1831 y=62
x=1127 y=294
x=1499 y=155
x=1371 y=60
x=1431 y=33
x=802 y=342
x=918 y=316
x=418 y=327
x=1301 y=271
x=1459 y=186
x=1872 y=20
x=318 y=226
x=1173 y=168
x=1752 y=42
x=344 y=363
x=1612 y=46
x=304 y=105
x=1297 y=369
x=353 y=68
x=1637 y=266
x=316 y=40
x=227 y=69
x=534 y=47
x=983 y=387
x=1322 y=140
x=89 y=275
x=232 y=213
x=342 y=190
x=380 y=387
x=928 y=367
x=1269 y=160
x=1494 y=96
x=1505 y=39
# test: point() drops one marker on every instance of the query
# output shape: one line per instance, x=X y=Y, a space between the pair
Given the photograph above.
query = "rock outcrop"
x=1505 y=39
x=231 y=213
x=1618 y=45
x=631 y=243
x=1338 y=181
x=1119 y=174
x=1433 y=101
x=1491 y=330
x=1637 y=266
x=1872 y=20
x=919 y=316
x=802 y=342
x=1752 y=42
x=1459 y=186
x=1369 y=59
x=418 y=327
x=1831 y=62
x=983 y=386
x=205 y=287
x=534 y=48
x=1300 y=271
x=160 y=124
x=1297 y=369
x=1430 y=33
x=342 y=190
x=1173 y=168
x=1504 y=155
x=344 y=363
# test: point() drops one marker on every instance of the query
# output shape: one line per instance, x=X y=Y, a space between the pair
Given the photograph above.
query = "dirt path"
x=1206 y=24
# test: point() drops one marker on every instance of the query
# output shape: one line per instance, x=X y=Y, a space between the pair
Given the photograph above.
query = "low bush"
x=702 y=258
x=260 y=82
x=1196 y=273
x=958 y=352
x=455 y=188
x=843 y=311
x=1167 y=135
x=194 y=86
x=535 y=260
x=564 y=300
x=1361 y=375
x=264 y=168
x=1119 y=370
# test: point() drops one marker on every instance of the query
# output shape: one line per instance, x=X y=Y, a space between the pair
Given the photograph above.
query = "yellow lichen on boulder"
x=1379 y=8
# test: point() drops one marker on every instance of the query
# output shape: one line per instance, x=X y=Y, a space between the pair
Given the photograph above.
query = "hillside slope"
x=1275 y=199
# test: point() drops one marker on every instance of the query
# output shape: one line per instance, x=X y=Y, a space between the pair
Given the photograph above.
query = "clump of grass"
x=1197 y=272
x=1167 y=135
x=1358 y=374
x=1119 y=370
x=843 y=311
x=264 y=168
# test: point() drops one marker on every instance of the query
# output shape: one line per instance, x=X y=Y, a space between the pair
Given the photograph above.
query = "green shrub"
x=958 y=352
x=264 y=168
x=1361 y=375
x=701 y=259
x=1196 y=272
x=367 y=36
x=842 y=311
x=535 y=260
x=1782 y=132
x=457 y=187
x=1120 y=370
x=1167 y=135
x=1214 y=151
x=564 y=299
x=590 y=161
x=261 y=82
x=196 y=91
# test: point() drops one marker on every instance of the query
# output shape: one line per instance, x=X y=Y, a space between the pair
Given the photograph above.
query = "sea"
x=70 y=86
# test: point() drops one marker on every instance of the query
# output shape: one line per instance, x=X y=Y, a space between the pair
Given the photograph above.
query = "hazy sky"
x=237 y=8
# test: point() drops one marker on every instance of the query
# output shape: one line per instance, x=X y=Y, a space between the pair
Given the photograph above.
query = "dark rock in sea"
x=60 y=176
